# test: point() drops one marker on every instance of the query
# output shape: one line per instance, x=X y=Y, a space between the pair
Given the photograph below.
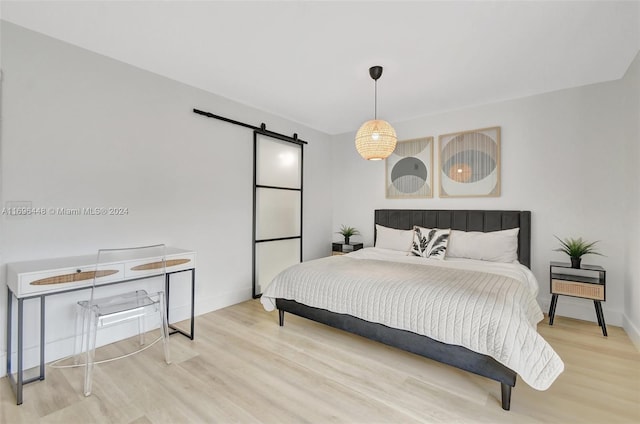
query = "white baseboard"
x=222 y=300
x=632 y=331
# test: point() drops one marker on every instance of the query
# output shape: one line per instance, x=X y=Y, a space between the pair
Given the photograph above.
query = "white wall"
x=631 y=83
x=563 y=158
x=82 y=130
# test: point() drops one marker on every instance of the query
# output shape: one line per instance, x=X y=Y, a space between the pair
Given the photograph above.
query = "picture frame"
x=409 y=170
x=469 y=163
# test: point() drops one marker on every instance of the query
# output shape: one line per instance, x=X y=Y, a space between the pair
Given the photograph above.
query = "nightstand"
x=342 y=249
x=586 y=282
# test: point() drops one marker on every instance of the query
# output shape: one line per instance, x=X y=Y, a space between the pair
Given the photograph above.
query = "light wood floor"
x=242 y=367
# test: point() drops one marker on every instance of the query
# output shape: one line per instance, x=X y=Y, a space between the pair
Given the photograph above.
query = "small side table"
x=342 y=249
x=586 y=282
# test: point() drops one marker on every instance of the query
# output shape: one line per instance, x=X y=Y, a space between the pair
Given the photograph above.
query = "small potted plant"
x=347 y=232
x=576 y=248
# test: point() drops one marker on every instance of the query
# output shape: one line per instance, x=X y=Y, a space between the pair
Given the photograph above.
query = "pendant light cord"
x=375 y=102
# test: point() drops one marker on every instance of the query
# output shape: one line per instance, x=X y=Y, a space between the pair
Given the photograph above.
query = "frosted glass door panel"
x=278 y=163
x=277 y=213
x=273 y=257
x=277 y=208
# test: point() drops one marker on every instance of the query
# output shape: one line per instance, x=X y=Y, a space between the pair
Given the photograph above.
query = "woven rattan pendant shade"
x=376 y=140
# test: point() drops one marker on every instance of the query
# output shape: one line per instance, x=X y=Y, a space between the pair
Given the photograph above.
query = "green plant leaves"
x=348 y=231
x=577 y=247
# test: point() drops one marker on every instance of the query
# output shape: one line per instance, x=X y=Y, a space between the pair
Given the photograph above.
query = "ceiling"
x=308 y=61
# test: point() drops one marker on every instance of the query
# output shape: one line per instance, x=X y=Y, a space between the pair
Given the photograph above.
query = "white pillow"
x=390 y=238
x=430 y=243
x=494 y=246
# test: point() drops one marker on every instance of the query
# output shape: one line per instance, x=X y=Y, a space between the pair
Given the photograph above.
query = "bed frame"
x=457 y=356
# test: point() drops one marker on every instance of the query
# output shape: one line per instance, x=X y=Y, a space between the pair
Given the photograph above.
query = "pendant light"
x=376 y=139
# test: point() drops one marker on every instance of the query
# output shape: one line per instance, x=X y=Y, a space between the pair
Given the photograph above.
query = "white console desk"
x=47 y=277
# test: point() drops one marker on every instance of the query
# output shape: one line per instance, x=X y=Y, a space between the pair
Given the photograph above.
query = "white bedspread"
x=489 y=308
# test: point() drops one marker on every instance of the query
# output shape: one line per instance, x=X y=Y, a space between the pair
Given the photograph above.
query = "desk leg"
x=16 y=384
x=552 y=308
x=9 y=340
x=600 y=315
x=42 y=337
x=193 y=301
x=193 y=294
x=166 y=291
x=20 y=370
x=9 y=329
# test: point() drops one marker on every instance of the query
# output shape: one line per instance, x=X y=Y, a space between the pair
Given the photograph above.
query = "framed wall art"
x=409 y=170
x=469 y=163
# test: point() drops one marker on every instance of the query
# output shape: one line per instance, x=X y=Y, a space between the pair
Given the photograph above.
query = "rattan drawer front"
x=32 y=283
x=152 y=266
x=575 y=288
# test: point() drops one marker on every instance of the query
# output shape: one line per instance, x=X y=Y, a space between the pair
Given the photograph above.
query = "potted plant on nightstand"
x=347 y=232
x=576 y=248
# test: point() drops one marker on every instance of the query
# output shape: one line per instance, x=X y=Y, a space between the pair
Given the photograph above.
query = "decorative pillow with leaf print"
x=430 y=243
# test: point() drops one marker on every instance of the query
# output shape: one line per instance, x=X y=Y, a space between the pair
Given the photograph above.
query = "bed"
x=388 y=326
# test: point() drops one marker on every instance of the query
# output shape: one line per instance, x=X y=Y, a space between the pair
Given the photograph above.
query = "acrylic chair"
x=101 y=312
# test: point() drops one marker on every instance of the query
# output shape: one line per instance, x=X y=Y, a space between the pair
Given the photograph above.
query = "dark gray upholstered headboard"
x=463 y=220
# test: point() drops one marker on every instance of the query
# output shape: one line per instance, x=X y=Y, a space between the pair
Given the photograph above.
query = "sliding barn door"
x=277 y=208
